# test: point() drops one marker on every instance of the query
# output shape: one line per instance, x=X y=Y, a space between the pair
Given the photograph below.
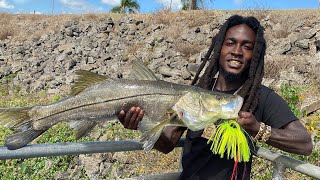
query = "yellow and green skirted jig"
x=229 y=139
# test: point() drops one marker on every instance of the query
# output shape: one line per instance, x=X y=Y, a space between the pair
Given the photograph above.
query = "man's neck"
x=223 y=85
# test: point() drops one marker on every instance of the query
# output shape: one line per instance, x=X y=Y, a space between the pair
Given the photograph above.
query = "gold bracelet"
x=266 y=135
x=260 y=132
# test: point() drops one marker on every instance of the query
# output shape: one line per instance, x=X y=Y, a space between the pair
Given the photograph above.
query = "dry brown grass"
x=133 y=49
x=162 y=17
x=197 y=18
x=90 y=16
x=174 y=31
x=290 y=20
x=187 y=49
x=6 y=26
x=152 y=162
x=277 y=63
x=23 y=27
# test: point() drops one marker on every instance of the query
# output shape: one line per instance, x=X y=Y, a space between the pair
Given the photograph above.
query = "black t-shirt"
x=199 y=162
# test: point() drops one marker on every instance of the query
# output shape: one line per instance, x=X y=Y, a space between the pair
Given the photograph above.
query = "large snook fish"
x=96 y=98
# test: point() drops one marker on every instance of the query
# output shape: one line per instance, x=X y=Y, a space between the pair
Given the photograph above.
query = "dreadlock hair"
x=250 y=88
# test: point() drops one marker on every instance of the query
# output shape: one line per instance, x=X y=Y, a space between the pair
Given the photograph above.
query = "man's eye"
x=248 y=47
x=229 y=43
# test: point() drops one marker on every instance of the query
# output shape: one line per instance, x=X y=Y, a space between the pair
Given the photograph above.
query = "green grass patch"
x=292 y=96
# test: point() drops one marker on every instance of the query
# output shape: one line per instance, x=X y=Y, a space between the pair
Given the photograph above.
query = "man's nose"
x=237 y=50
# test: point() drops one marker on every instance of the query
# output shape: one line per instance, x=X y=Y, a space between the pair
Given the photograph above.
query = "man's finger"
x=121 y=116
x=139 y=118
x=243 y=114
x=128 y=117
x=133 y=118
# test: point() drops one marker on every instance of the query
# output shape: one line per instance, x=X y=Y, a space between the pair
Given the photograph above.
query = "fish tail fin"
x=22 y=136
x=18 y=119
x=151 y=132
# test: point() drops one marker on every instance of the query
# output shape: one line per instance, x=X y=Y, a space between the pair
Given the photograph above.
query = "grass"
x=187 y=49
x=22 y=27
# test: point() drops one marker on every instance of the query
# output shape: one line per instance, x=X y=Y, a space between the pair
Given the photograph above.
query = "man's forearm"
x=293 y=138
x=169 y=138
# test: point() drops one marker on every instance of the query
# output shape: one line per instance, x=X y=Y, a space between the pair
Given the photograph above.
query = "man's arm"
x=293 y=137
x=168 y=138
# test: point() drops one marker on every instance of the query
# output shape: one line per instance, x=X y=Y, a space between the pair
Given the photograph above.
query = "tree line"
x=132 y=6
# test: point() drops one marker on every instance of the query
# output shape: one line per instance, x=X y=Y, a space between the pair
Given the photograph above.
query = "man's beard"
x=232 y=77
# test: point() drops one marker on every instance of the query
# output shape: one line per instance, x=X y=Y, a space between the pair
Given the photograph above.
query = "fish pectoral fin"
x=151 y=132
x=150 y=137
x=83 y=127
x=85 y=79
x=140 y=72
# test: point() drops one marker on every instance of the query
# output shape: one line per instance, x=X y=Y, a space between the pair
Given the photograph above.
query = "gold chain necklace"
x=215 y=81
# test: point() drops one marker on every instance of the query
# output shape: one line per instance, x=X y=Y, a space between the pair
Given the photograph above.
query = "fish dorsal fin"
x=85 y=79
x=140 y=72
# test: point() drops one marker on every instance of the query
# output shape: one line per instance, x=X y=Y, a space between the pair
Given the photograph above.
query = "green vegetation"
x=126 y=6
x=291 y=95
x=193 y=4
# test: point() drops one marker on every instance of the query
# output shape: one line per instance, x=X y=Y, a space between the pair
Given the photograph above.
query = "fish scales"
x=105 y=100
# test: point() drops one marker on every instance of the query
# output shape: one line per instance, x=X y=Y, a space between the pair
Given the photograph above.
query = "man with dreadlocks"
x=235 y=65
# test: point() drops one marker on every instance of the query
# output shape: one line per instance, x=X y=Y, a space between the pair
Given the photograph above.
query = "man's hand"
x=131 y=118
x=248 y=122
x=168 y=138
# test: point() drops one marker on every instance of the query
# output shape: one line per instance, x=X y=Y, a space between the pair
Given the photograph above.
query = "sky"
x=146 y=6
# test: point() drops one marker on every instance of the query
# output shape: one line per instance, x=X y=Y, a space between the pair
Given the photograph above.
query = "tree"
x=126 y=6
x=192 y=4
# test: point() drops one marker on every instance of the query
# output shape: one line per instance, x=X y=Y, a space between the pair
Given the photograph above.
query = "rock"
x=193 y=68
x=317 y=44
x=267 y=82
x=310 y=105
x=290 y=76
x=91 y=166
x=19 y=50
x=311 y=32
x=61 y=176
x=303 y=44
x=53 y=91
x=284 y=46
x=105 y=168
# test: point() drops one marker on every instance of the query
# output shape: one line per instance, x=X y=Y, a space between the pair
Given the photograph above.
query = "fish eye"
x=219 y=98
